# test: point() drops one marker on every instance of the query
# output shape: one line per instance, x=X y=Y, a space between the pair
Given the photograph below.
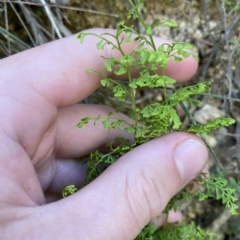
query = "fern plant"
x=153 y=120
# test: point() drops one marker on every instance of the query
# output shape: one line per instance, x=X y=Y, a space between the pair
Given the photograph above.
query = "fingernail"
x=190 y=157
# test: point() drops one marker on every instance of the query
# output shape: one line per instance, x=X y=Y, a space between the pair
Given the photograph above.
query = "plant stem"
x=143 y=23
x=202 y=136
x=164 y=88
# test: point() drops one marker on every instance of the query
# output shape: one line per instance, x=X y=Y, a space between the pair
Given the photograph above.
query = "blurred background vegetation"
x=212 y=26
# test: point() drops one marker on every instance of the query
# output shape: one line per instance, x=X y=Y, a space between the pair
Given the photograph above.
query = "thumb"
x=119 y=203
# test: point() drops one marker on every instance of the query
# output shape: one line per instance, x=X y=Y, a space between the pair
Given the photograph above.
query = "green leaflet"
x=105 y=82
x=161 y=112
x=119 y=92
x=69 y=190
x=170 y=23
x=153 y=81
x=184 y=93
x=211 y=125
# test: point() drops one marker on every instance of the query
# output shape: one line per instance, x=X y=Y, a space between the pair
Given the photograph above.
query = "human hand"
x=39 y=145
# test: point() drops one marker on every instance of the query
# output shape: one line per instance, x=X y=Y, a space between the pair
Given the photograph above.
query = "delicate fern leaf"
x=117 y=124
x=120 y=70
x=89 y=70
x=220 y=122
x=162 y=59
x=129 y=37
x=166 y=47
x=152 y=81
x=151 y=56
x=162 y=81
x=105 y=82
x=127 y=59
x=170 y=23
x=133 y=84
x=123 y=141
x=149 y=30
x=130 y=14
x=106 y=123
x=143 y=56
x=120 y=92
x=165 y=114
x=108 y=65
x=69 y=190
x=81 y=37
x=147 y=232
x=207 y=128
x=178 y=46
x=218 y=187
x=130 y=129
x=183 y=53
x=156 y=23
x=183 y=231
x=83 y=122
x=188 y=46
x=182 y=46
x=184 y=93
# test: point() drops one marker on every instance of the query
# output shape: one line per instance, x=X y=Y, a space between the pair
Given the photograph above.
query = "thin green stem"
x=143 y=23
x=166 y=221
x=119 y=44
x=103 y=38
x=221 y=97
x=133 y=93
x=202 y=136
x=164 y=88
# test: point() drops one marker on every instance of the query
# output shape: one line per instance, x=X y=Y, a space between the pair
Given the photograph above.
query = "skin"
x=39 y=145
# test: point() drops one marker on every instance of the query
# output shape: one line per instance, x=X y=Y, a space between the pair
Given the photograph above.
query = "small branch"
x=7 y=28
x=64 y=7
x=51 y=18
x=202 y=136
x=23 y=24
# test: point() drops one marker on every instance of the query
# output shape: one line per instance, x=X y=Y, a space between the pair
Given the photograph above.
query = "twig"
x=220 y=221
x=23 y=24
x=64 y=7
x=222 y=97
x=229 y=71
x=39 y=37
x=12 y=37
x=51 y=18
x=7 y=28
x=235 y=21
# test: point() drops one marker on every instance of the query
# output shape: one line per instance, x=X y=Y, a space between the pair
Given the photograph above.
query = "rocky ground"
x=211 y=26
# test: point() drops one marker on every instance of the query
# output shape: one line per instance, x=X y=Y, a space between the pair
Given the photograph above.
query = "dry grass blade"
x=64 y=7
x=6 y=26
x=38 y=35
x=23 y=24
x=51 y=18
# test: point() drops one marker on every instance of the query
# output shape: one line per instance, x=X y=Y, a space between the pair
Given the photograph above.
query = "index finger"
x=57 y=70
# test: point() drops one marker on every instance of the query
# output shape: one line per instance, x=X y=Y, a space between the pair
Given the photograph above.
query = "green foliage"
x=170 y=23
x=219 y=188
x=69 y=190
x=153 y=120
x=175 y=232
x=164 y=114
x=211 y=125
x=213 y=186
x=151 y=81
x=184 y=93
